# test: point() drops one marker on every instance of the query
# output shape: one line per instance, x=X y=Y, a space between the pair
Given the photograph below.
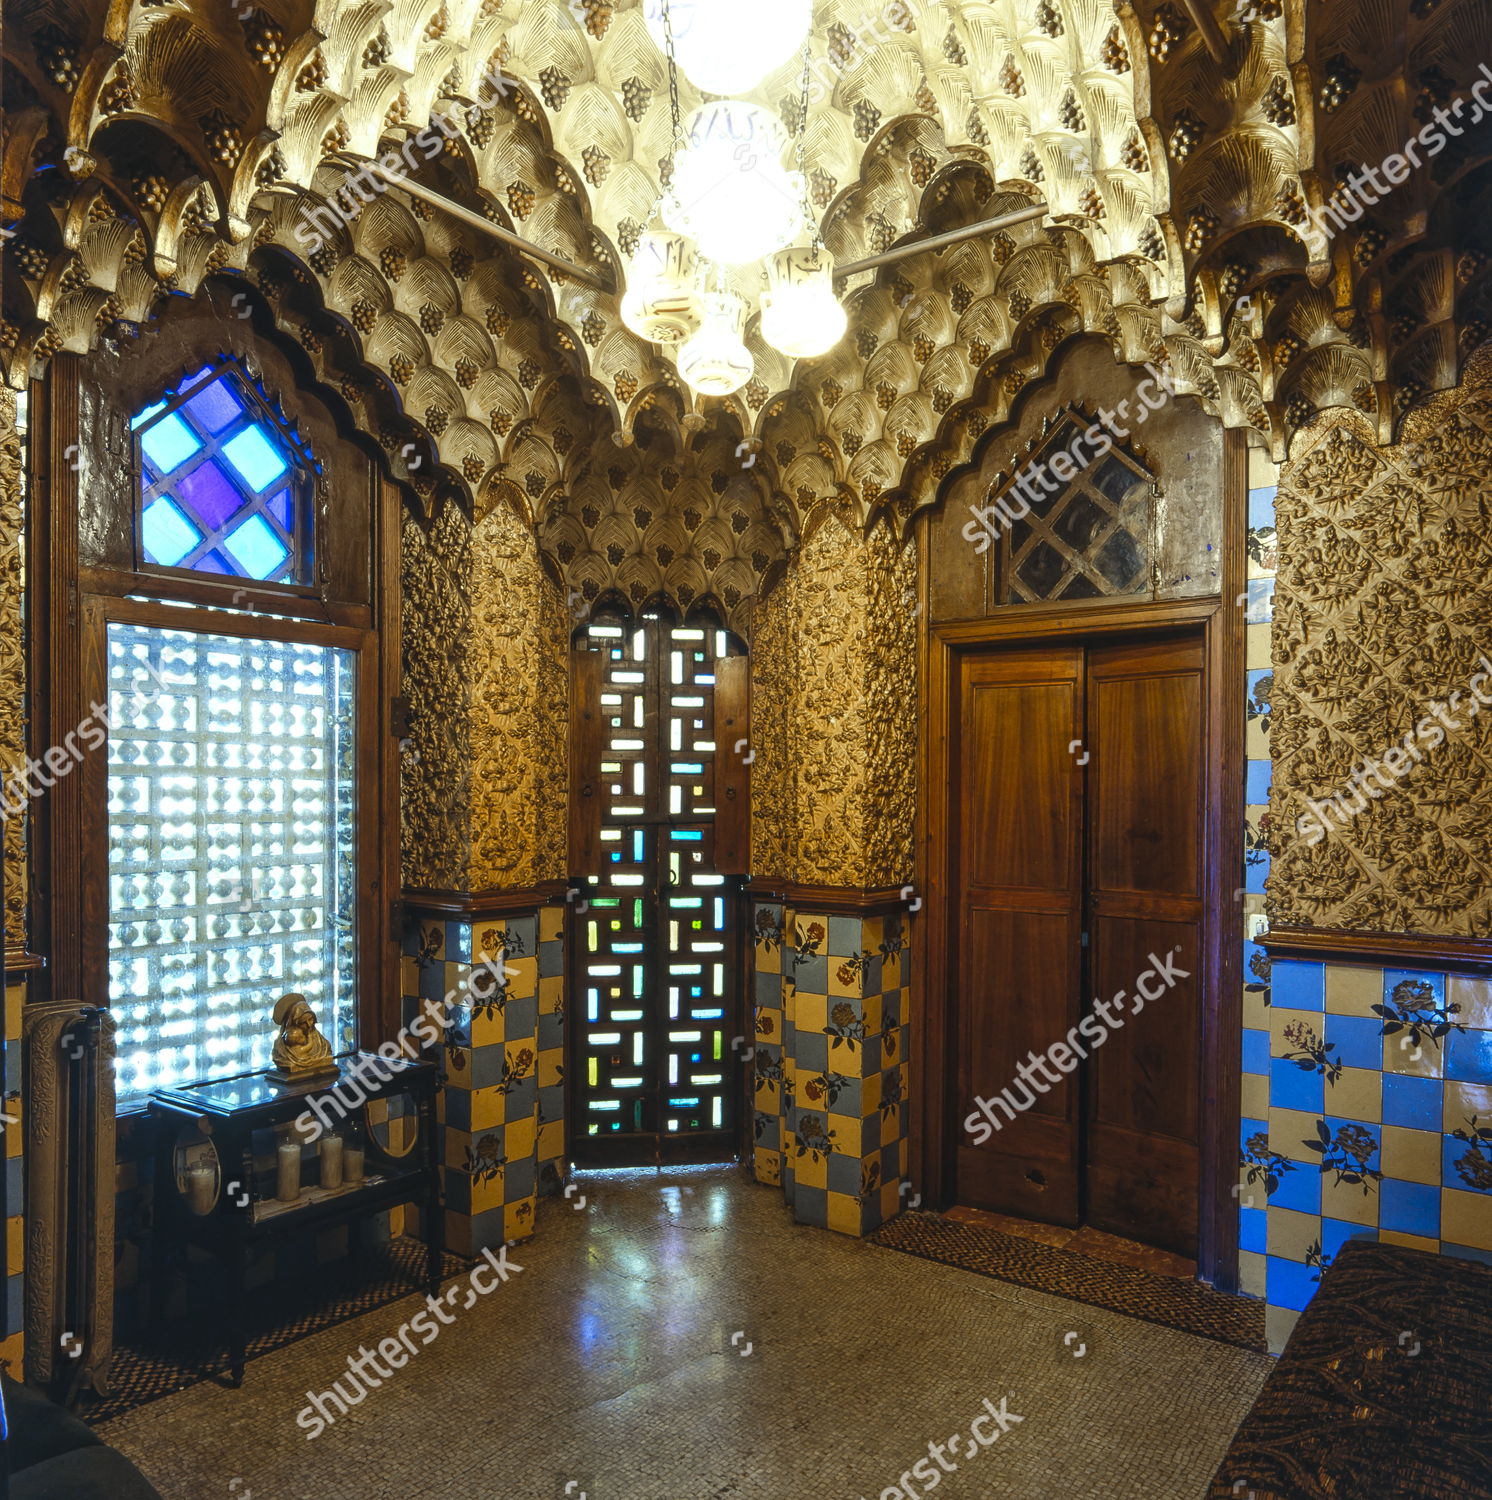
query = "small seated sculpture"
x=300 y=1050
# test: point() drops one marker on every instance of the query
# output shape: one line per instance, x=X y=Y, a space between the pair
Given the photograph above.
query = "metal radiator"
x=69 y=1053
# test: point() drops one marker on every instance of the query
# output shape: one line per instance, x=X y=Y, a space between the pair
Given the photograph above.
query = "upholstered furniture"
x=1383 y=1392
x=51 y=1455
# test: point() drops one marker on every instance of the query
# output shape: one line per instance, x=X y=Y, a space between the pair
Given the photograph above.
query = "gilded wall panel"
x=834 y=713
x=12 y=663
x=1382 y=798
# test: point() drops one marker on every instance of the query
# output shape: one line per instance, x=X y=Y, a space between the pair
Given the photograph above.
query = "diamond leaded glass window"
x=231 y=787
x=224 y=484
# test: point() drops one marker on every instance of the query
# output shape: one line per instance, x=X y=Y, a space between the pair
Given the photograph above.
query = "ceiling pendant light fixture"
x=662 y=301
x=801 y=316
x=730 y=191
x=716 y=361
x=729 y=46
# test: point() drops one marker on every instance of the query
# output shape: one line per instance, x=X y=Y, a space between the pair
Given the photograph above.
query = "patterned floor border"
x=1185 y=1305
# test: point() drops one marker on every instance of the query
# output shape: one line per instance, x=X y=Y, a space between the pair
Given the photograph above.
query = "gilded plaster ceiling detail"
x=151 y=146
x=1382 y=607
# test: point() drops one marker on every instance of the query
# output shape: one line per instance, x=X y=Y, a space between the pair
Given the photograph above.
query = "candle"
x=331 y=1161
x=288 y=1188
x=352 y=1164
x=202 y=1188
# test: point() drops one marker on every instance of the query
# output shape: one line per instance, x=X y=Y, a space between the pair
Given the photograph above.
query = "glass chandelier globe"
x=661 y=303
x=801 y=316
x=729 y=46
x=716 y=361
x=730 y=191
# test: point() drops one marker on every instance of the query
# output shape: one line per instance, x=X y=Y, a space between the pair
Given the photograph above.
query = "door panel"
x=1146 y=725
x=1019 y=853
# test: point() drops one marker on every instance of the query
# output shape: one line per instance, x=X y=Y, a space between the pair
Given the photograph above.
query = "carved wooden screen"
x=656 y=999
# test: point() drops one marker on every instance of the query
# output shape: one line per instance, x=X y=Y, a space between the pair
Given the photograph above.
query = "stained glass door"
x=653 y=1071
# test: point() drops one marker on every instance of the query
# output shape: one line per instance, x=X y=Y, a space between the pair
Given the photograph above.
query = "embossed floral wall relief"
x=1384 y=611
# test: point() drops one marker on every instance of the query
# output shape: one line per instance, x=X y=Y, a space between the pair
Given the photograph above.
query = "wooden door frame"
x=1220 y=984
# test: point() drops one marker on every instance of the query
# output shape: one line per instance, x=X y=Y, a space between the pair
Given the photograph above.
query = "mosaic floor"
x=679 y=1338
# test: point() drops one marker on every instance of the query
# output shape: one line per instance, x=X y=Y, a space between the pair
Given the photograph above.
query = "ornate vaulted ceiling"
x=150 y=146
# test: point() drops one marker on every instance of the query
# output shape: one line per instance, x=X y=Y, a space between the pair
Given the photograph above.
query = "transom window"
x=224 y=484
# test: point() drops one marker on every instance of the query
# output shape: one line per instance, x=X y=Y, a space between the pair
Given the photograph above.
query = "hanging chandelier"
x=731 y=200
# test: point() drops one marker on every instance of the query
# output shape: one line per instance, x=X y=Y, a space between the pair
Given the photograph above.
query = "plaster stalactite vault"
x=1383 y=606
x=149 y=147
x=485 y=668
x=834 y=691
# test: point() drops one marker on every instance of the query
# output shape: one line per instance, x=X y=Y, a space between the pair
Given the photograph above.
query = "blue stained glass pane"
x=214 y=562
x=210 y=495
x=214 y=407
x=279 y=507
x=167 y=534
x=255 y=457
x=141 y=418
x=169 y=443
x=256 y=548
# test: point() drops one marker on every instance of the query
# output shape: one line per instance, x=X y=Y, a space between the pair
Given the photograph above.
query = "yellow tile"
x=1299 y=1021
x=487 y=939
x=15 y=1244
x=1357 y=1095
x=1251 y=1273
x=848 y=1134
x=1256 y=740
x=872 y=1012
x=551 y=994
x=846 y=980
x=870 y=1094
x=518 y=1219
x=486 y=1028
x=1411 y=1155
x=519 y=1138
x=809 y=1172
x=551 y=923
x=1401 y=1056
x=1291 y=1234
x=1279 y=1324
x=551 y=1067
x=523 y=977
x=1352 y=990
x=844 y=1213
x=1409 y=1241
x=1255 y=1011
x=1466 y=1219
x=12 y=1354
x=768 y=1165
x=768 y=958
x=1474 y=996
x=486 y=1108
x=1463 y=1100
x=1255 y=1096
x=551 y=1140
x=810 y=1012
x=1264 y=473
x=1346 y=1200
x=1288 y=1128
x=1256 y=647
x=456 y=1144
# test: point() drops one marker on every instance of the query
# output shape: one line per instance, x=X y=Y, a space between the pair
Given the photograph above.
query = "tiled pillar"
x=831 y=1034
x=13 y=1315
x=502 y=1104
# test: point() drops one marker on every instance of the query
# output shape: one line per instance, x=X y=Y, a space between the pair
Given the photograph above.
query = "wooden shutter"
x=732 y=765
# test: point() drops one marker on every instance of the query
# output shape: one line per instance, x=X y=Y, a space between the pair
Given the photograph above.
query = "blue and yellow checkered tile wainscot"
x=832 y=1024
x=12 y=1339
x=500 y=983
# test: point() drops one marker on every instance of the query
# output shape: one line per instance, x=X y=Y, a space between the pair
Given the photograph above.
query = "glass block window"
x=655 y=974
x=224 y=484
x=231 y=829
x=1088 y=538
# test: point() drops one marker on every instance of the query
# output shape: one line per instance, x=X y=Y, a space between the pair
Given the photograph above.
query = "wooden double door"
x=1078 y=779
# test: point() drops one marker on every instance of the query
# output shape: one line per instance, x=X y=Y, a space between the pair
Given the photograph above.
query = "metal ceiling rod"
x=938 y=241
x=1206 y=23
x=518 y=243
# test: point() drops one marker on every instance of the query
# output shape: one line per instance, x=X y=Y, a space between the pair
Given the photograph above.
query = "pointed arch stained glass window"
x=224 y=484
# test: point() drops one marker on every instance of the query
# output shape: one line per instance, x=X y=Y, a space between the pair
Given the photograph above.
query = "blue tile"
x=1392 y=978
x=1299 y=1189
x=846 y=937
x=1259 y=603
x=15 y=1303
x=1248 y=1128
x=1261 y=675
x=1294 y=1087
x=1468 y=1056
x=1336 y=1232
x=1288 y=1283
x=1357 y=1040
x=1298 y=984
x=769 y=989
x=1255 y=1050
x=1466 y=1252
x=1256 y=872
x=1261 y=507
x=1253 y=1225
x=1414 y=1103
x=810 y=974
x=1410 y=1208
x=1453 y=1151
x=1256 y=787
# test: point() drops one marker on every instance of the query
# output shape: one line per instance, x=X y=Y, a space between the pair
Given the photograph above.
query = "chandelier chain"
x=675 y=116
x=810 y=221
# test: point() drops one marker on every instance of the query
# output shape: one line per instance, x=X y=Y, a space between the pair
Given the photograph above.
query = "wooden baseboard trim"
x=493 y=902
x=1410 y=950
x=836 y=900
